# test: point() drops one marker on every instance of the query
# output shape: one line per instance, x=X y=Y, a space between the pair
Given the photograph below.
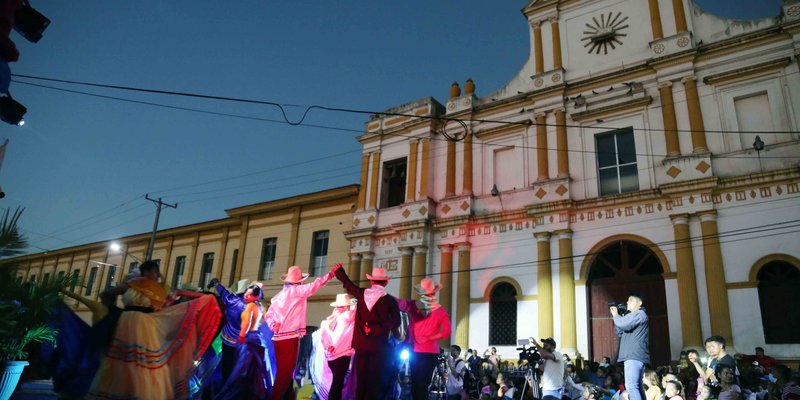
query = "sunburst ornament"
x=604 y=33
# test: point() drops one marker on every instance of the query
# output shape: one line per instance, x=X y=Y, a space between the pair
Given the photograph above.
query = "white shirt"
x=455 y=382
x=553 y=375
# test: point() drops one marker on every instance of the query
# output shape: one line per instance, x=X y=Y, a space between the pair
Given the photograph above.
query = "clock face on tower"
x=604 y=33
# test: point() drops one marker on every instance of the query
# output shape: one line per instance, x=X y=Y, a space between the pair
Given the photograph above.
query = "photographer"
x=552 y=368
x=634 y=338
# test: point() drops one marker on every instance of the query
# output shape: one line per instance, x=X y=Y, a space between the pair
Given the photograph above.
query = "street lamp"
x=758 y=145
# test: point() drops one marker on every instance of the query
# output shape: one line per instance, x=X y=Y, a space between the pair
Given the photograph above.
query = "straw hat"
x=380 y=275
x=427 y=287
x=294 y=275
x=342 y=300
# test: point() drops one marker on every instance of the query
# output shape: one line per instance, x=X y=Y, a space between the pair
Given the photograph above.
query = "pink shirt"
x=421 y=326
x=288 y=308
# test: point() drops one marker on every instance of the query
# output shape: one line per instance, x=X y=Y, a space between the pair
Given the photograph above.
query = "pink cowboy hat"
x=380 y=275
x=426 y=286
x=294 y=275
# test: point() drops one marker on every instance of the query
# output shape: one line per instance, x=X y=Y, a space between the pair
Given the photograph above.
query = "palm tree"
x=25 y=307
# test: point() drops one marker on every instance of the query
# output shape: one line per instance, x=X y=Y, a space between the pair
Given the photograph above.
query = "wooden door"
x=617 y=271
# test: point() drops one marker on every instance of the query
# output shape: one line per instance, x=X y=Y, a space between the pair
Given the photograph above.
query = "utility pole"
x=152 y=243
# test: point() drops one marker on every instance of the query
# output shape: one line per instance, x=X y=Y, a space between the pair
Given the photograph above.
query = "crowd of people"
x=160 y=342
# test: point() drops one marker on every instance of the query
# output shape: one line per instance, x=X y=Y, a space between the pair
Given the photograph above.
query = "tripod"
x=533 y=379
x=438 y=388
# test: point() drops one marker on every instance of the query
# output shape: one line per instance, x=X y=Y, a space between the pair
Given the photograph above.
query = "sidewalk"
x=34 y=390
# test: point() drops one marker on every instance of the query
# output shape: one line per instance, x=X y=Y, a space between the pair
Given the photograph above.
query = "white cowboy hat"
x=189 y=286
x=242 y=285
x=294 y=275
x=342 y=300
x=380 y=275
x=426 y=286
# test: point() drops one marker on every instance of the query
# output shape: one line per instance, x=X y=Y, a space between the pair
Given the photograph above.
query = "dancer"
x=154 y=347
x=248 y=380
x=377 y=316
x=337 y=339
x=286 y=317
x=428 y=323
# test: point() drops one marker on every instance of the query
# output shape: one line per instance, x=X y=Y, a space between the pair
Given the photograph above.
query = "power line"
x=309 y=108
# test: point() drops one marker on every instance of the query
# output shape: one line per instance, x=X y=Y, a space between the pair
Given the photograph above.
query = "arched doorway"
x=503 y=315
x=618 y=269
x=777 y=287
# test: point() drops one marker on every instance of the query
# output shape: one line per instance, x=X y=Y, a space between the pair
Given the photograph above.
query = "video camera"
x=529 y=354
x=622 y=308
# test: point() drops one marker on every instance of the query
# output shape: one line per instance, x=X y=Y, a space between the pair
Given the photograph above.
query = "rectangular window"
x=132 y=266
x=233 y=268
x=268 y=250
x=616 y=162
x=32 y=279
x=319 y=253
x=90 y=283
x=20 y=278
x=206 y=268
x=393 y=188
x=753 y=114
x=112 y=276
x=76 y=273
x=60 y=275
x=177 y=275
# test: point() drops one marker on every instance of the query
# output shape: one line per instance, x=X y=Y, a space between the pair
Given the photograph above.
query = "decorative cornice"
x=611 y=109
x=749 y=70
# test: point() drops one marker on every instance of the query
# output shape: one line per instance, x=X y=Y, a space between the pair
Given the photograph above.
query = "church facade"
x=646 y=146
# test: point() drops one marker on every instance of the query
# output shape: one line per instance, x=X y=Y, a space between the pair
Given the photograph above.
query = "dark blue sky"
x=81 y=164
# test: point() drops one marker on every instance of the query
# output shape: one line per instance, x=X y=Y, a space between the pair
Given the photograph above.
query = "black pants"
x=372 y=378
x=338 y=368
x=228 y=359
x=422 y=366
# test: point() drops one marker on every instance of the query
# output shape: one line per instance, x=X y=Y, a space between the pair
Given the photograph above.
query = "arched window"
x=503 y=315
x=777 y=288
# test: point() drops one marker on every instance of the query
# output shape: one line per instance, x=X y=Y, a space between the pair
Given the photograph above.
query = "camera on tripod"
x=529 y=354
x=622 y=308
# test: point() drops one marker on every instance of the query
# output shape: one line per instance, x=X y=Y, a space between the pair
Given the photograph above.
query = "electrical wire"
x=309 y=108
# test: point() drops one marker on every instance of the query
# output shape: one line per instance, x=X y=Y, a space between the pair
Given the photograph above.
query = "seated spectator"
x=758 y=359
x=666 y=377
x=672 y=390
x=708 y=392
x=729 y=390
x=792 y=389
x=650 y=381
x=502 y=388
x=591 y=392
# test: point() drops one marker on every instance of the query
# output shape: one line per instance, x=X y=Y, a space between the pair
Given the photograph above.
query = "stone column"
x=411 y=176
x=687 y=283
x=450 y=182
x=354 y=269
x=541 y=147
x=716 y=286
x=366 y=268
x=423 y=179
x=462 y=296
x=670 y=121
x=680 y=16
x=556 y=42
x=405 y=272
x=695 y=115
x=420 y=266
x=655 y=20
x=467 y=190
x=566 y=280
x=544 y=284
x=537 y=47
x=446 y=275
x=373 y=184
x=362 y=190
x=561 y=143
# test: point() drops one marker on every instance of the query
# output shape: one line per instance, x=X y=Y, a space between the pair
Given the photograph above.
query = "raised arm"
x=351 y=288
x=309 y=289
